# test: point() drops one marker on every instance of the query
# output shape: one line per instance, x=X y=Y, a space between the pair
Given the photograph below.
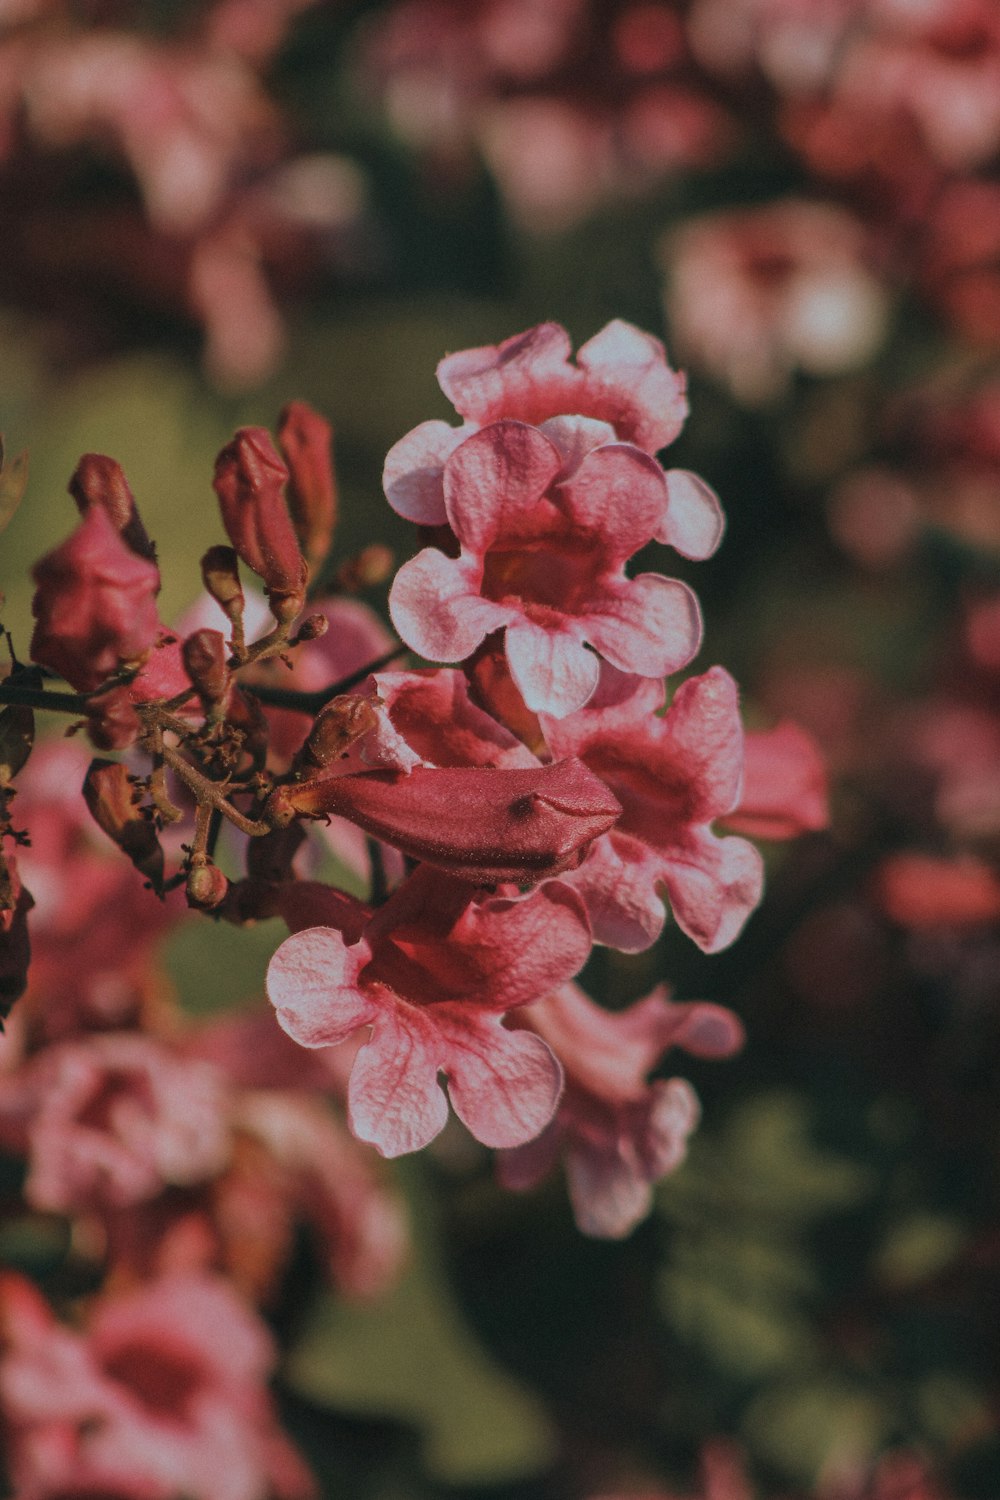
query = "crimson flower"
x=430 y=974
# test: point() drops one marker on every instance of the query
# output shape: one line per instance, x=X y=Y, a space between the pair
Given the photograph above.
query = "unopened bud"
x=313 y=628
x=206 y=887
x=339 y=724
x=250 y=481
x=101 y=481
x=204 y=657
x=367 y=570
x=305 y=440
x=220 y=573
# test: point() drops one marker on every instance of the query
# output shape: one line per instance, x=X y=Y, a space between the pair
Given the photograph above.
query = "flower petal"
x=713 y=886
x=394 y=1099
x=631 y=384
x=504 y=1085
x=437 y=609
x=509 y=378
x=413 y=474
x=312 y=984
x=694 y=521
x=648 y=625
x=620 y=494
x=554 y=672
x=617 y=883
x=496 y=478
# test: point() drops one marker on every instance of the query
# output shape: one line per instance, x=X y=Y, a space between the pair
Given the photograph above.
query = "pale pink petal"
x=713 y=886
x=617 y=882
x=413 y=472
x=575 y=437
x=648 y=625
x=394 y=1099
x=705 y=734
x=608 y=1196
x=637 y=389
x=312 y=982
x=504 y=1085
x=495 y=479
x=554 y=673
x=524 y=1167
x=437 y=609
x=489 y=382
x=619 y=494
x=694 y=521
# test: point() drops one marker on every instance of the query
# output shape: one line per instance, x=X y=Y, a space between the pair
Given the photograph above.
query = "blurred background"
x=208 y=209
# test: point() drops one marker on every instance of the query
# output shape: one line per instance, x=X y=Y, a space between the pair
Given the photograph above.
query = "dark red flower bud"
x=95 y=604
x=204 y=655
x=98 y=480
x=484 y=824
x=112 y=800
x=250 y=481
x=305 y=439
x=220 y=574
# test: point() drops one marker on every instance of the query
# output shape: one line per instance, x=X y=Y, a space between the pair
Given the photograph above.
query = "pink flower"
x=164 y=1393
x=115 y=1117
x=544 y=538
x=784 y=785
x=621 y=383
x=755 y=294
x=617 y=1133
x=673 y=776
x=95 y=604
x=431 y=974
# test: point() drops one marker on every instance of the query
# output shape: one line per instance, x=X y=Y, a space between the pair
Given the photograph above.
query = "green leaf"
x=412 y=1357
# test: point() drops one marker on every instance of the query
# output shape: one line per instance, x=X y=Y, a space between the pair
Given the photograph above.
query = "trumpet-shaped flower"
x=617 y=1133
x=673 y=776
x=621 y=390
x=544 y=540
x=430 y=974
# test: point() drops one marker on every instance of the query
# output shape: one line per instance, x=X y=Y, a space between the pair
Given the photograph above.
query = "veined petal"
x=631 y=384
x=437 y=609
x=649 y=625
x=694 y=522
x=485 y=383
x=312 y=982
x=554 y=672
x=713 y=885
x=575 y=437
x=494 y=479
x=504 y=1085
x=413 y=474
x=394 y=1099
x=617 y=882
x=620 y=494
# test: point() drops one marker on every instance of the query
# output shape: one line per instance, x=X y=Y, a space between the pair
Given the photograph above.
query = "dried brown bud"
x=17 y=735
x=220 y=573
x=305 y=441
x=113 y=803
x=98 y=480
x=204 y=657
x=340 y=723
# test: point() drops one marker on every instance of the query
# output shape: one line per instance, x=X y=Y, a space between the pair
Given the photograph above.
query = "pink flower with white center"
x=621 y=385
x=111 y=1119
x=163 y=1394
x=673 y=775
x=544 y=541
x=431 y=974
x=617 y=1133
